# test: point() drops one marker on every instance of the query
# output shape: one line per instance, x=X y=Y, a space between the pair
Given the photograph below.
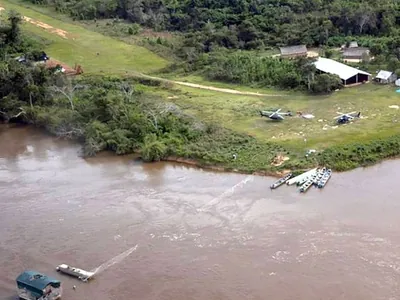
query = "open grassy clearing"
x=240 y=113
x=81 y=46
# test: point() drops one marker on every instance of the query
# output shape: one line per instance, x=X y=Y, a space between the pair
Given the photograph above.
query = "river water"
x=189 y=233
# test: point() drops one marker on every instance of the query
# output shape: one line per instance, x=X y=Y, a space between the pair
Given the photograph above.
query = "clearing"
x=241 y=113
x=232 y=106
x=96 y=53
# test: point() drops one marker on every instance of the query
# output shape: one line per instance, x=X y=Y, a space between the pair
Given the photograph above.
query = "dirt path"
x=212 y=88
x=57 y=31
x=229 y=91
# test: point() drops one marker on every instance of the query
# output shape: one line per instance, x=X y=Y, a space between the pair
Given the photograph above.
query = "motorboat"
x=325 y=178
x=281 y=181
x=76 y=272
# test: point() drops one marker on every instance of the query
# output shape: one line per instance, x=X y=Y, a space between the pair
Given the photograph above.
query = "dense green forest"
x=247 y=24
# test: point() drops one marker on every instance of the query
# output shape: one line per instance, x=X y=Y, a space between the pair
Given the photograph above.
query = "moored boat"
x=281 y=181
x=324 y=179
x=32 y=285
x=306 y=186
x=81 y=274
x=319 y=176
x=301 y=177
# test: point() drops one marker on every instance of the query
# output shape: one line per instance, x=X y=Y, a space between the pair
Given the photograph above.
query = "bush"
x=153 y=149
x=325 y=83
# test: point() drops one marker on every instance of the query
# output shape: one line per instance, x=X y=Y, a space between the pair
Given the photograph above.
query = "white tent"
x=397 y=82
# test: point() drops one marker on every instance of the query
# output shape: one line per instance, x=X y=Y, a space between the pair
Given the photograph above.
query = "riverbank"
x=212 y=126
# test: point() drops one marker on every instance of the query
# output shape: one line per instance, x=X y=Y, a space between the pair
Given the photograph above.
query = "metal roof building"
x=33 y=285
x=386 y=77
x=349 y=75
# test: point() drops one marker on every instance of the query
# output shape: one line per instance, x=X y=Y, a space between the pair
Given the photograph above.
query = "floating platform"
x=75 y=272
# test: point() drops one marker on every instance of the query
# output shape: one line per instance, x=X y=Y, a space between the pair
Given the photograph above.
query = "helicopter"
x=345 y=118
x=275 y=115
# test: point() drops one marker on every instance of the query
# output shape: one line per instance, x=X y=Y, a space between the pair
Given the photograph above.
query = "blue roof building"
x=32 y=285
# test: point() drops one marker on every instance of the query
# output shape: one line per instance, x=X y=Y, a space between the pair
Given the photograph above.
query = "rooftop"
x=36 y=282
x=334 y=67
x=357 y=51
x=353 y=44
x=293 y=50
x=385 y=75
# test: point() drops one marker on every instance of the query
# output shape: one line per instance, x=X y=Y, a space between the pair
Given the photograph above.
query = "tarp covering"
x=36 y=282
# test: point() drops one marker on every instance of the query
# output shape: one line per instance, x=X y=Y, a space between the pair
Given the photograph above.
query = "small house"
x=355 y=54
x=32 y=285
x=293 y=51
x=386 y=77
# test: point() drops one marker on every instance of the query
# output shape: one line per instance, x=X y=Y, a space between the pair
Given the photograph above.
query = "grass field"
x=81 y=46
x=241 y=114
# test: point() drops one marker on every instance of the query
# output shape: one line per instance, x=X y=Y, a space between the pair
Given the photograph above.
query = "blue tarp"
x=36 y=282
x=398 y=91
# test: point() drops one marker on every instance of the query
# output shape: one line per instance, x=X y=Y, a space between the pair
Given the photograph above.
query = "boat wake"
x=229 y=191
x=115 y=260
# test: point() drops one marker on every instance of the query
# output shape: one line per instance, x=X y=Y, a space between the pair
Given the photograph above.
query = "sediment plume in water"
x=115 y=260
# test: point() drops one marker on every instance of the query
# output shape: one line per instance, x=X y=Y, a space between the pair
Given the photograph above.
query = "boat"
x=303 y=181
x=281 y=181
x=76 y=272
x=306 y=186
x=301 y=177
x=32 y=285
x=319 y=176
x=324 y=179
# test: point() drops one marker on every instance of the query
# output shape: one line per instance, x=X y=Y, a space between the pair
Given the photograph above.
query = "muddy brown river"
x=167 y=231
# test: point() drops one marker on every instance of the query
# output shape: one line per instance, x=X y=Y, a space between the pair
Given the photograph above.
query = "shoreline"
x=195 y=163
x=204 y=166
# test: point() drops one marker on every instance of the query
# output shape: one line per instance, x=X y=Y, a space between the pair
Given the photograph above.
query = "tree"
x=326 y=83
x=14 y=30
x=68 y=91
x=307 y=70
x=153 y=149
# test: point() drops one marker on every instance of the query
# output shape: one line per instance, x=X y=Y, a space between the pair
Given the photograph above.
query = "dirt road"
x=210 y=88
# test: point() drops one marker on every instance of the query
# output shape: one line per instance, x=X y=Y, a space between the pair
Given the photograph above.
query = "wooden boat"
x=324 y=179
x=81 y=274
x=281 y=181
x=301 y=177
x=306 y=186
x=319 y=176
x=303 y=181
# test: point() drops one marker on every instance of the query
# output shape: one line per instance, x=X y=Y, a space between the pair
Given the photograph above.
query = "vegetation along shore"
x=185 y=81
